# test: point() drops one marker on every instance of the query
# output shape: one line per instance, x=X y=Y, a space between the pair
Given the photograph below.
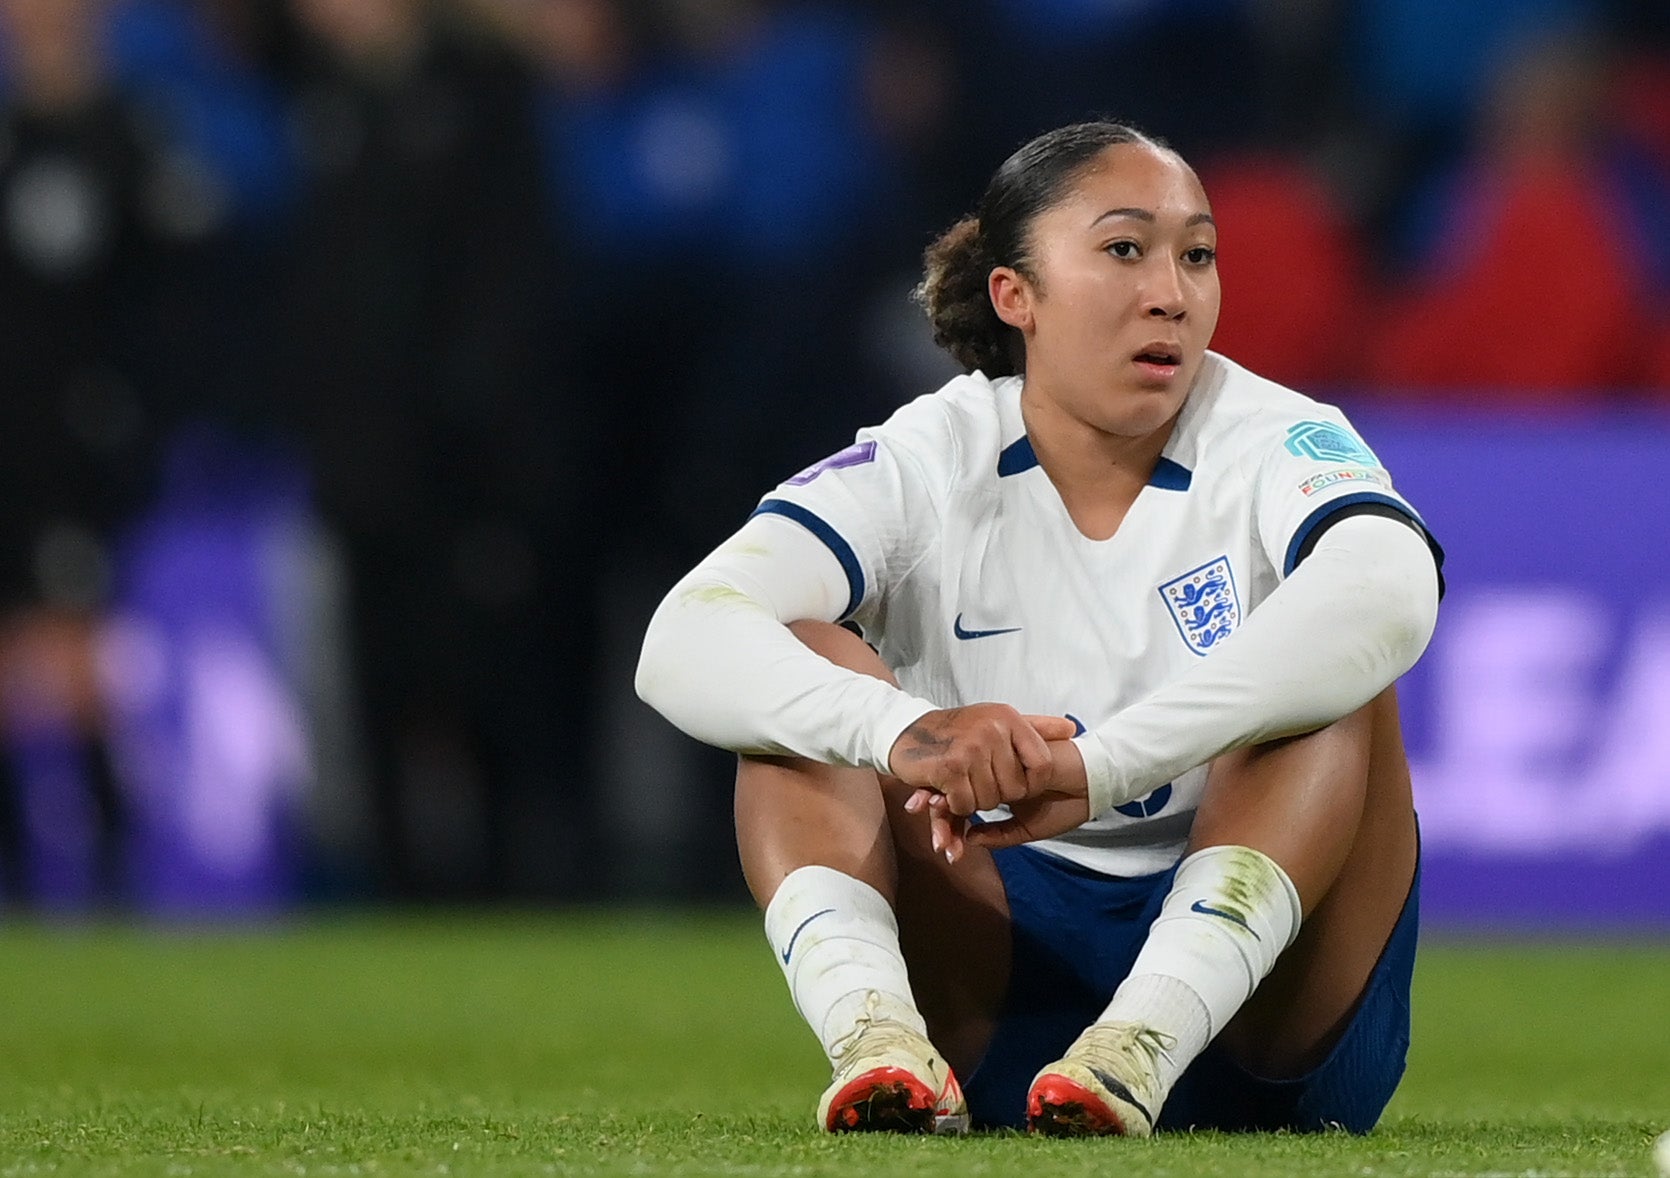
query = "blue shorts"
x=1076 y=934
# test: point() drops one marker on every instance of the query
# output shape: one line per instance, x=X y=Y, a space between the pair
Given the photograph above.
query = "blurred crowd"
x=489 y=316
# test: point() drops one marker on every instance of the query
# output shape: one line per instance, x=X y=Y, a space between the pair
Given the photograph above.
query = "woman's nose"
x=1163 y=299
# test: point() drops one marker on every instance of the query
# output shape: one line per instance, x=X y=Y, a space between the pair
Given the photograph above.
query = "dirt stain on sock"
x=1248 y=882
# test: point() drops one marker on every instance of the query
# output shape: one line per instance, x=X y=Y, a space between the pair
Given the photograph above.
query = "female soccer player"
x=1107 y=738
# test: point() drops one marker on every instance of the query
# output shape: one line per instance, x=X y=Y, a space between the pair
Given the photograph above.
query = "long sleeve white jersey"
x=959 y=563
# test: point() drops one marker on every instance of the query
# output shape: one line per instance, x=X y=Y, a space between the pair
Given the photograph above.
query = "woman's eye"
x=1124 y=249
x=1201 y=255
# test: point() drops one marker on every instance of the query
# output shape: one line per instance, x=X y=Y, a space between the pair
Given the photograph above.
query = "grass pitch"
x=607 y=1044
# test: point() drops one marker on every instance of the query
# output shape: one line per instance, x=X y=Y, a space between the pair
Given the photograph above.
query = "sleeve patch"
x=1349 y=474
x=856 y=454
x=1323 y=441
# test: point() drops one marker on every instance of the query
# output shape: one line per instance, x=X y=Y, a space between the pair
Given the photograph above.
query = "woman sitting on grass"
x=1064 y=699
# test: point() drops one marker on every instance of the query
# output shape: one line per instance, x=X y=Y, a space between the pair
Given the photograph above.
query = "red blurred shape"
x=1534 y=294
x=1295 y=299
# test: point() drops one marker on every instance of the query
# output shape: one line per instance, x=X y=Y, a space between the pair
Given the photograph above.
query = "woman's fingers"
x=1033 y=819
x=1053 y=727
x=947 y=830
x=965 y=760
x=946 y=746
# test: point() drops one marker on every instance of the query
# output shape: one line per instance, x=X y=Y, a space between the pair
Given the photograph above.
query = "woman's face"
x=1124 y=292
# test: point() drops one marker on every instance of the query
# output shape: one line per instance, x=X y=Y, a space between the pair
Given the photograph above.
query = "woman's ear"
x=1012 y=296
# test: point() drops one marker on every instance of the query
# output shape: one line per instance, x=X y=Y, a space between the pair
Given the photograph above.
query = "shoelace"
x=880 y=1035
x=1108 y=1045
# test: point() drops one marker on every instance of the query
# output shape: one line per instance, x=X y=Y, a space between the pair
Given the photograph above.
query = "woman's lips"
x=1155 y=370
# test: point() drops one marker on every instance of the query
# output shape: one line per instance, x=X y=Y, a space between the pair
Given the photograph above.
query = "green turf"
x=613 y=1045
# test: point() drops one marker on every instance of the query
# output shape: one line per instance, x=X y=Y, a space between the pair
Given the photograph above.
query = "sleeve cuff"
x=900 y=714
x=1099 y=774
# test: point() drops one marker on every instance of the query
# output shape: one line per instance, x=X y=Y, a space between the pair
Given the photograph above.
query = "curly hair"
x=955 y=268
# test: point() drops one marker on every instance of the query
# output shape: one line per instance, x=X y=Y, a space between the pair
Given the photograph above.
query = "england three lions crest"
x=1204 y=604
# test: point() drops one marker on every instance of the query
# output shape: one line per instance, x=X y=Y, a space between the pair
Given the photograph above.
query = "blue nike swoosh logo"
x=1205 y=909
x=796 y=935
x=965 y=635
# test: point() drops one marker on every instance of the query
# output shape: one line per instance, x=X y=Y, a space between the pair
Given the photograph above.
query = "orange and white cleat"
x=1106 y=1084
x=890 y=1079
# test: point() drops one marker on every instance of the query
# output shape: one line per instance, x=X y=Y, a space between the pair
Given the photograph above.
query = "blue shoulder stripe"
x=832 y=539
x=1327 y=510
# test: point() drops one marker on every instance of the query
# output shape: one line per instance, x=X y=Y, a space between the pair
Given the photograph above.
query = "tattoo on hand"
x=921 y=743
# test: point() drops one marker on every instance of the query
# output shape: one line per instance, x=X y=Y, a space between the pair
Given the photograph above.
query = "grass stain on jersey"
x=744 y=548
x=720 y=595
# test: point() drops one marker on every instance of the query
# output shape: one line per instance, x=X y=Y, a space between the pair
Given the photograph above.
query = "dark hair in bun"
x=956 y=266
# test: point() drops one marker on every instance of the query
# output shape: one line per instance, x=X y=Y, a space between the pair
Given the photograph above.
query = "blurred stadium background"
x=368 y=369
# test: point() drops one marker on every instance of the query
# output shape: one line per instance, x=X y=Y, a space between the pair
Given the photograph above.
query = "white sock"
x=1230 y=913
x=837 y=940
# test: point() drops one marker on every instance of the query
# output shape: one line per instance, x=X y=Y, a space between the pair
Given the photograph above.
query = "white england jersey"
x=972 y=582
